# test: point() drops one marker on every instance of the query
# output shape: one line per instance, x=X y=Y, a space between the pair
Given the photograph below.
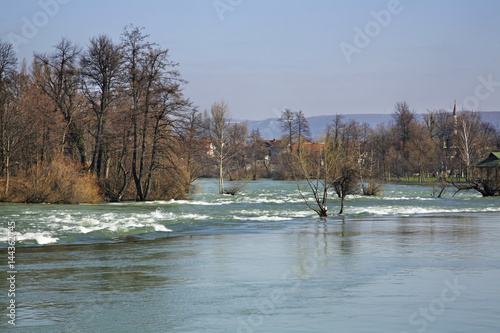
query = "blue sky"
x=322 y=57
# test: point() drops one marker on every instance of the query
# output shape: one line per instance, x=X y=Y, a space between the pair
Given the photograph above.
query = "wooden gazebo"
x=491 y=165
x=492 y=161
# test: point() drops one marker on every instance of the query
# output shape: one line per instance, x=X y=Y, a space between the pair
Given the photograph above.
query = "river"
x=260 y=261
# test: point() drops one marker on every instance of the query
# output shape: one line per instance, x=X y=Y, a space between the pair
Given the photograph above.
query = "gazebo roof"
x=492 y=161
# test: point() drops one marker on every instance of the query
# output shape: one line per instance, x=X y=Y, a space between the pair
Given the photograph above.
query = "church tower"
x=455 y=118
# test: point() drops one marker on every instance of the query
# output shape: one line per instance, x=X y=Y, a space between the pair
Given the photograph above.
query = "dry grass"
x=58 y=181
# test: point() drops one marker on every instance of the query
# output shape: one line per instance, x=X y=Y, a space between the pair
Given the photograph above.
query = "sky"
x=323 y=57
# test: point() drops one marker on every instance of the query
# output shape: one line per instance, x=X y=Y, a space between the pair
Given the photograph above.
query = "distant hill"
x=270 y=128
x=492 y=117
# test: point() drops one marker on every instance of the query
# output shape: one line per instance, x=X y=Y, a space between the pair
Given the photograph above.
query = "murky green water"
x=258 y=262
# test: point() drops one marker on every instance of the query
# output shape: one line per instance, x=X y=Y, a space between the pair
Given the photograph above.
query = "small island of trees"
x=110 y=122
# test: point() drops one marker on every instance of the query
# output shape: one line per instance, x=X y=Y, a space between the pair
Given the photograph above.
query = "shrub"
x=58 y=181
x=372 y=188
x=235 y=187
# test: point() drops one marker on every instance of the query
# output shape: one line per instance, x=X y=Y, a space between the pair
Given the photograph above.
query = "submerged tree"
x=325 y=167
x=222 y=133
x=347 y=182
x=319 y=170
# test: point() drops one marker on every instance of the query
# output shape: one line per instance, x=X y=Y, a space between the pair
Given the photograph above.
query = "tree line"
x=109 y=121
x=352 y=157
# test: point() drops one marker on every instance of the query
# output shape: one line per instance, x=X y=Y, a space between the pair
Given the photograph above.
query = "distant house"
x=274 y=147
x=312 y=146
x=208 y=146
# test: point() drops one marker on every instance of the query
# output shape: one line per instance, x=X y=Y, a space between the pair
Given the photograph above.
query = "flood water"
x=260 y=261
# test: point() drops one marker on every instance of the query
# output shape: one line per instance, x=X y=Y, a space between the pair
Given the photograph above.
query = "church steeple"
x=455 y=118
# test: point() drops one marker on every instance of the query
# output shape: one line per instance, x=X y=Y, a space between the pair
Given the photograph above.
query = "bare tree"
x=403 y=118
x=8 y=62
x=153 y=86
x=422 y=151
x=287 y=125
x=301 y=128
x=220 y=126
x=326 y=168
x=381 y=141
x=470 y=139
x=196 y=150
x=336 y=127
x=227 y=139
x=319 y=170
x=58 y=76
x=238 y=133
x=347 y=182
x=258 y=151
x=101 y=66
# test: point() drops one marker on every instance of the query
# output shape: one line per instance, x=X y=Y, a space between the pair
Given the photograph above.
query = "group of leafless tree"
x=352 y=157
x=112 y=113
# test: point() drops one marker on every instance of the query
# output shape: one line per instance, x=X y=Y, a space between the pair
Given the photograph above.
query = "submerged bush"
x=235 y=187
x=372 y=188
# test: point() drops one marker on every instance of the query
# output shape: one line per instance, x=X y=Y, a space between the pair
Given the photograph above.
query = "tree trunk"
x=136 y=175
x=7 y=176
x=96 y=164
x=342 y=205
x=125 y=182
x=221 y=175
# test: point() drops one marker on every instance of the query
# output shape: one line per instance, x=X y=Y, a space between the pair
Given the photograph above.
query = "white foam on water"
x=85 y=230
x=158 y=214
x=414 y=210
x=270 y=215
x=304 y=213
x=204 y=203
x=492 y=209
x=407 y=198
x=265 y=218
x=40 y=237
x=263 y=200
x=161 y=227
x=115 y=222
x=194 y=216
